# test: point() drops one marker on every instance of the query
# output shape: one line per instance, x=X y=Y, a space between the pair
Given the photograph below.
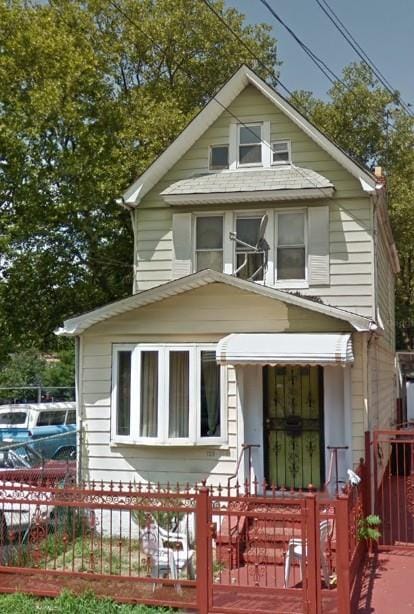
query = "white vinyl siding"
x=199 y=317
x=350 y=228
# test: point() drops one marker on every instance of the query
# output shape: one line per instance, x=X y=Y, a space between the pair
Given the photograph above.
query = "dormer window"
x=219 y=157
x=250 y=144
x=281 y=152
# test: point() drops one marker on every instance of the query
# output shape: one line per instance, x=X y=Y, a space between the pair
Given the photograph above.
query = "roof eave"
x=248 y=197
x=197 y=126
x=78 y=325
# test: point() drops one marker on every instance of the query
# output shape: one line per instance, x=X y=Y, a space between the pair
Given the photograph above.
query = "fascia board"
x=317 y=136
x=248 y=197
x=193 y=131
x=79 y=324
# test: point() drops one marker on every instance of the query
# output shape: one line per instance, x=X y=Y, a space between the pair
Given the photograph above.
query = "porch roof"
x=286 y=349
x=79 y=324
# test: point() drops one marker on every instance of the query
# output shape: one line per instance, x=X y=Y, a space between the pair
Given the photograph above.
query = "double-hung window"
x=209 y=242
x=249 y=263
x=170 y=394
x=281 y=152
x=291 y=246
x=250 y=144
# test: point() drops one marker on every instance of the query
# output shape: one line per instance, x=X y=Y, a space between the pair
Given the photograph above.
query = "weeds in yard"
x=67 y=603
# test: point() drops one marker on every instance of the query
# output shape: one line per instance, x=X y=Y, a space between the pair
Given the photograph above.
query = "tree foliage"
x=90 y=93
x=367 y=122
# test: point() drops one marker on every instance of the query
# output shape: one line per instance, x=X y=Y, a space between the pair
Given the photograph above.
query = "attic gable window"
x=219 y=157
x=167 y=394
x=250 y=144
x=281 y=152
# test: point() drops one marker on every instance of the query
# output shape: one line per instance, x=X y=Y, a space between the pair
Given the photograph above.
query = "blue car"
x=49 y=427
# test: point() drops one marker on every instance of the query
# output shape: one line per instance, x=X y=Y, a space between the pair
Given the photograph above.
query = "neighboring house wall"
x=381 y=351
x=350 y=236
x=202 y=315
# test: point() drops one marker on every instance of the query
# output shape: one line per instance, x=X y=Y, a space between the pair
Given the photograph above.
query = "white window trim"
x=260 y=144
x=194 y=438
x=289 y=148
x=290 y=283
x=246 y=214
x=194 y=233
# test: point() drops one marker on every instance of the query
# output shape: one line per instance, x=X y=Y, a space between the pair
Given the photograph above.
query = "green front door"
x=293 y=426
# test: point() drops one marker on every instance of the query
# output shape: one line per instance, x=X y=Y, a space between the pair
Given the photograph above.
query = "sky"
x=383 y=28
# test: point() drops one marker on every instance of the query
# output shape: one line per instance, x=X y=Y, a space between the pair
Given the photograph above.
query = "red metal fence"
x=195 y=548
x=393 y=452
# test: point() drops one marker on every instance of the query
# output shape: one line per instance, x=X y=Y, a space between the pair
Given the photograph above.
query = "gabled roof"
x=225 y=96
x=79 y=324
x=285 y=182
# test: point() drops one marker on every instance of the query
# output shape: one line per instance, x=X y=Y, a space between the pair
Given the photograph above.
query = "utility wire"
x=323 y=67
x=346 y=34
x=224 y=107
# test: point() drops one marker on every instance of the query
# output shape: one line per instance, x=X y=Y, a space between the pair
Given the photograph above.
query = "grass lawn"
x=71 y=604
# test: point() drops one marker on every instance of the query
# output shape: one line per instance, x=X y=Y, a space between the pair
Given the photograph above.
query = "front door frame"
x=337 y=416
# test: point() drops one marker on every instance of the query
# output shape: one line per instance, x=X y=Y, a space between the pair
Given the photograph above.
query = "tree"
x=90 y=93
x=366 y=121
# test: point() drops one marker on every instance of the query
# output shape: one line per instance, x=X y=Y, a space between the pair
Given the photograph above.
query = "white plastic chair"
x=156 y=545
x=296 y=550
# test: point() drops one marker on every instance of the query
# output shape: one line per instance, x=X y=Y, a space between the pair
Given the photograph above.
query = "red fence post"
x=204 y=575
x=312 y=581
x=343 y=555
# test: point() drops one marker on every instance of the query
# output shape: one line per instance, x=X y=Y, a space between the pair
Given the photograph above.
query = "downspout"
x=121 y=202
x=78 y=412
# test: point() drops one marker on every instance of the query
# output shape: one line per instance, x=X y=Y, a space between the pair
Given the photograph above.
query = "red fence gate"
x=198 y=548
x=394 y=486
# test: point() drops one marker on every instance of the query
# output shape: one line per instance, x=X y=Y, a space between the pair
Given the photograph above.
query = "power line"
x=224 y=107
x=346 y=34
x=319 y=63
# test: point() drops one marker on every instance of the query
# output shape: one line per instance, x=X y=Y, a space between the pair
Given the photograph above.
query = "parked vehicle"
x=41 y=421
x=25 y=464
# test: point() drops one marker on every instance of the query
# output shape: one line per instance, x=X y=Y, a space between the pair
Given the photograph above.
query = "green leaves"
x=90 y=94
x=366 y=121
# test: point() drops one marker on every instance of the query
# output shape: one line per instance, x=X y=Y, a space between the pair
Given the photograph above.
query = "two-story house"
x=262 y=308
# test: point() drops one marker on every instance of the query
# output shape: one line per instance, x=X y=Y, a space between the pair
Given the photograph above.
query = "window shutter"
x=182 y=251
x=318 y=246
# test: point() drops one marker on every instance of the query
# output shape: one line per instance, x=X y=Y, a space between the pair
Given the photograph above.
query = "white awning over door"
x=285 y=349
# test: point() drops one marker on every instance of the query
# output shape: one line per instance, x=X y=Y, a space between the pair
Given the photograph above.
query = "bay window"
x=169 y=394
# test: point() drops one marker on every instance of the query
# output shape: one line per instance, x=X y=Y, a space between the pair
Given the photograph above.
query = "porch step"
x=265 y=534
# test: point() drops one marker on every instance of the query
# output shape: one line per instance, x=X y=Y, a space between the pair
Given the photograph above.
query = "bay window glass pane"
x=291 y=263
x=123 y=394
x=210 y=260
x=179 y=402
x=149 y=395
x=250 y=134
x=209 y=232
x=210 y=395
x=250 y=154
x=291 y=229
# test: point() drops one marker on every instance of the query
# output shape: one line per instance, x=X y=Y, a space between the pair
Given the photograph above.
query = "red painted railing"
x=210 y=549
